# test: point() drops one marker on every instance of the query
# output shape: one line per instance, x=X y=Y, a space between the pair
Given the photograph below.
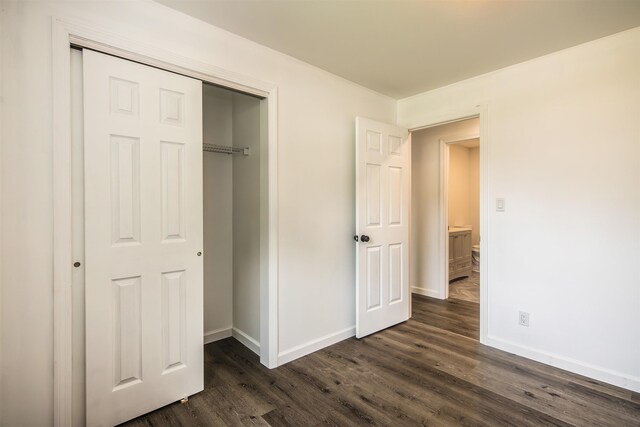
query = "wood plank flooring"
x=427 y=371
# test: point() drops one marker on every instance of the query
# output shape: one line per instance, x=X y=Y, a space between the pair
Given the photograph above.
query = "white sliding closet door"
x=143 y=231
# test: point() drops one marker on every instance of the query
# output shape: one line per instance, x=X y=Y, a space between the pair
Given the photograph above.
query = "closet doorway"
x=171 y=220
x=231 y=199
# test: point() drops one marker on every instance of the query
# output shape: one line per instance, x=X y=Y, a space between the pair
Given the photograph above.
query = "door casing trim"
x=480 y=111
x=445 y=146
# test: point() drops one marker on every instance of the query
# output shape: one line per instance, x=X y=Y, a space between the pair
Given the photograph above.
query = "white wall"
x=218 y=218
x=474 y=194
x=246 y=218
x=316 y=113
x=464 y=188
x=232 y=218
x=425 y=256
x=27 y=235
x=3 y=36
x=563 y=147
x=458 y=186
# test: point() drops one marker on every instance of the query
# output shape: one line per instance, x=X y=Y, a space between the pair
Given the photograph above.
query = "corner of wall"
x=576 y=366
x=315 y=345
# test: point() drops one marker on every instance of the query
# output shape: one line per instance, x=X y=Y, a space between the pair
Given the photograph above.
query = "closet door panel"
x=174 y=324
x=173 y=188
x=125 y=190
x=143 y=237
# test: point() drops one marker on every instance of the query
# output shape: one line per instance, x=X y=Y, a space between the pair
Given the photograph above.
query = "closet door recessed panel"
x=174 y=316
x=173 y=187
x=171 y=107
x=124 y=97
x=125 y=190
x=127 y=332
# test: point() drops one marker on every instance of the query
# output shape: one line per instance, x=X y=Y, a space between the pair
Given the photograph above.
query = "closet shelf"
x=225 y=149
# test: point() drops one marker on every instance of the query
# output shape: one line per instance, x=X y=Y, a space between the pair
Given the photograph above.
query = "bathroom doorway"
x=445 y=212
x=462 y=193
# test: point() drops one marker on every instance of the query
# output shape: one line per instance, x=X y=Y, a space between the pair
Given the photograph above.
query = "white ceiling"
x=403 y=47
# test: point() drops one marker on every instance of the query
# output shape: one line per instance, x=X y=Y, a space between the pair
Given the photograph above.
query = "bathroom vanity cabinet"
x=459 y=253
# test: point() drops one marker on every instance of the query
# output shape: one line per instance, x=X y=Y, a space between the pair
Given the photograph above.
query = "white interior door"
x=382 y=222
x=143 y=237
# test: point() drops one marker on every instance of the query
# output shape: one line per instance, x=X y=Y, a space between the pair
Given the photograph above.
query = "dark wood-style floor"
x=429 y=370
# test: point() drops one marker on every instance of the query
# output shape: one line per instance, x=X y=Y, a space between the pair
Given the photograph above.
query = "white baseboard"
x=315 y=345
x=568 y=364
x=426 y=292
x=218 y=334
x=246 y=340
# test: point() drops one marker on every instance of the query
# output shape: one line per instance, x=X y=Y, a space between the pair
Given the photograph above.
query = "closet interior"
x=231 y=202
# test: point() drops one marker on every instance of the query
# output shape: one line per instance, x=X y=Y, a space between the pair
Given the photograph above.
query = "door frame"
x=66 y=33
x=445 y=147
x=430 y=119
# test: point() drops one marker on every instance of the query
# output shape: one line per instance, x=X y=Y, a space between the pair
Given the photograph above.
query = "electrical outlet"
x=523 y=318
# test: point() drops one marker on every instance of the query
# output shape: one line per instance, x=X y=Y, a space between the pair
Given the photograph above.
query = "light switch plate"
x=500 y=205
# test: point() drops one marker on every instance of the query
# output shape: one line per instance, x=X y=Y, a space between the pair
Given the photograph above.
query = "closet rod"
x=224 y=149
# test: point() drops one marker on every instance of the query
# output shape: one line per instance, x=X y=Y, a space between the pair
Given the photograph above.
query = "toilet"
x=475 y=257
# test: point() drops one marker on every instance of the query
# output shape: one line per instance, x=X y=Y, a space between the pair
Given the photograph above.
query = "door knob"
x=364 y=238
